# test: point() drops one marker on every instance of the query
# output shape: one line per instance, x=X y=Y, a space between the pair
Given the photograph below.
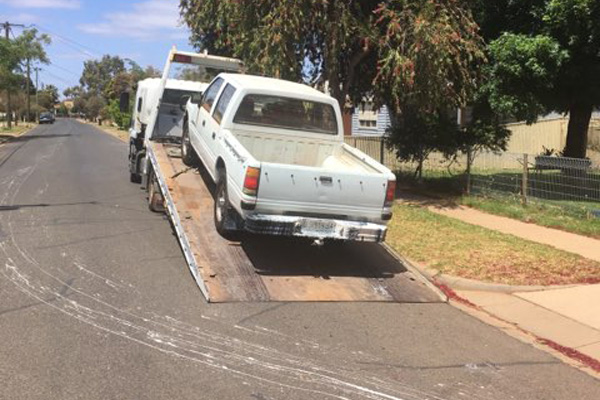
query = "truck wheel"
x=224 y=215
x=135 y=178
x=155 y=200
x=188 y=155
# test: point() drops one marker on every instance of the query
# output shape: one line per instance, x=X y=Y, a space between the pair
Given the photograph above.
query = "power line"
x=63 y=80
x=82 y=48
x=63 y=68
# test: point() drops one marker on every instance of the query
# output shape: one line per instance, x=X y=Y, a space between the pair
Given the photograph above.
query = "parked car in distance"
x=46 y=118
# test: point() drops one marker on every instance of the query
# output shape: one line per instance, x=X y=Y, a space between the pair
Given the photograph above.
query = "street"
x=96 y=302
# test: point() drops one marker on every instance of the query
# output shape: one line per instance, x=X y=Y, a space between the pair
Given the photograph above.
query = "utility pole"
x=7 y=25
x=28 y=89
x=37 y=104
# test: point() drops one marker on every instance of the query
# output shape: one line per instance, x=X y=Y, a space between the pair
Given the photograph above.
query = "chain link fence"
x=565 y=182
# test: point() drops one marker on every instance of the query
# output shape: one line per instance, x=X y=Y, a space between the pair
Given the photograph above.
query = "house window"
x=367 y=123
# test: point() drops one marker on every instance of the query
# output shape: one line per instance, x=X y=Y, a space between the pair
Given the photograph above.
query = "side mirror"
x=183 y=101
x=124 y=102
x=196 y=98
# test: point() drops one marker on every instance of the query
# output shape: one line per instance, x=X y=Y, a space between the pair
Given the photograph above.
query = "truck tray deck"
x=265 y=268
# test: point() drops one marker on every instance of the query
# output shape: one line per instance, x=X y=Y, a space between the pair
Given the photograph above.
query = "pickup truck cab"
x=276 y=152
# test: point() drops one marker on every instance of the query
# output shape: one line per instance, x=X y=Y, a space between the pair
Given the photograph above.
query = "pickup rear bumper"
x=318 y=228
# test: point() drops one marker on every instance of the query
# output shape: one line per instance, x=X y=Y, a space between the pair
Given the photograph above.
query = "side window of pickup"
x=211 y=94
x=223 y=103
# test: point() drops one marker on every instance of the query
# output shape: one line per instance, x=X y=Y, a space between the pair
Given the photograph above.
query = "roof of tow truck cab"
x=177 y=84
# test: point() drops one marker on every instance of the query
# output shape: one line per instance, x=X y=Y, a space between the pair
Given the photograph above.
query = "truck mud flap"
x=266 y=268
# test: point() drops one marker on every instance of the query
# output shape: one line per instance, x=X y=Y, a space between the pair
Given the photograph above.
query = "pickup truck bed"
x=266 y=268
x=284 y=149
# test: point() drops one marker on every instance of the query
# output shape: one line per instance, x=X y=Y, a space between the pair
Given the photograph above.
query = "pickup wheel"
x=224 y=215
x=188 y=155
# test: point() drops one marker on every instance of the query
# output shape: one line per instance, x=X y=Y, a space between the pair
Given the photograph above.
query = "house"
x=369 y=121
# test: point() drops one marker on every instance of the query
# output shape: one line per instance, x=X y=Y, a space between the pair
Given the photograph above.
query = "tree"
x=415 y=135
x=14 y=55
x=79 y=104
x=93 y=105
x=152 y=72
x=430 y=55
x=63 y=110
x=9 y=61
x=431 y=62
x=522 y=73
x=196 y=73
x=73 y=92
x=546 y=54
x=337 y=42
x=123 y=120
x=420 y=58
x=31 y=45
x=97 y=74
x=102 y=82
x=125 y=81
x=48 y=97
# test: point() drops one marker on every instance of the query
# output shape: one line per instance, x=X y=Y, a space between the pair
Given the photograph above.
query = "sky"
x=141 y=30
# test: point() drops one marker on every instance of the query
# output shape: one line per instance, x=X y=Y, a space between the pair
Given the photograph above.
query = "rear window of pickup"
x=286 y=113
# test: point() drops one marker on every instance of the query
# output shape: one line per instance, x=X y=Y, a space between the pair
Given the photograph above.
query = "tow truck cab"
x=169 y=123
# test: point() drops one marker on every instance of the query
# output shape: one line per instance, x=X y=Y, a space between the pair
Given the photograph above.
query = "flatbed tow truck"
x=257 y=268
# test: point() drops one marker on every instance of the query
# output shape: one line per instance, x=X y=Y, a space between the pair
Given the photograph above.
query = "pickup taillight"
x=251 y=181
x=390 y=193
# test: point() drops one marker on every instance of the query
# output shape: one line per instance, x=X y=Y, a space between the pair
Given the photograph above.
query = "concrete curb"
x=417 y=272
x=458 y=283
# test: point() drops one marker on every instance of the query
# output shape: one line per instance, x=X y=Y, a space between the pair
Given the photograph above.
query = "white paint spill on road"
x=82 y=267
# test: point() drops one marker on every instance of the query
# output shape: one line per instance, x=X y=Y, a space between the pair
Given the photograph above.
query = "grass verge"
x=460 y=249
x=6 y=135
x=570 y=216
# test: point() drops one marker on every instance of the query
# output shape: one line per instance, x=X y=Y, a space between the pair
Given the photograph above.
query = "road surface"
x=96 y=303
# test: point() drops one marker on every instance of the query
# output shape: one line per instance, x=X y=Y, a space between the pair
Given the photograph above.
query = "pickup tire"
x=188 y=154
x=224 y=215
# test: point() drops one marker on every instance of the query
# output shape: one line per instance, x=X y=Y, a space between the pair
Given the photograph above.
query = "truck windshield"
x=286 y=113
x=175 y=96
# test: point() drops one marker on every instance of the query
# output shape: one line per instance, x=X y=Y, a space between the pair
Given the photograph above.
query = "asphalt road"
x=96 y=303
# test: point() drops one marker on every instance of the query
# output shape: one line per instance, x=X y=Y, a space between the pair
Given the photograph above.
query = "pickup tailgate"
x=292 y=189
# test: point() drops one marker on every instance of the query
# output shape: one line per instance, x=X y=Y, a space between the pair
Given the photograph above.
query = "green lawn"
x=571 y=216
x=469 y=251
x=497 y=193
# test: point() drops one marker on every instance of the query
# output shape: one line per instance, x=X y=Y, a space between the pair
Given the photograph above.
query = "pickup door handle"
x=326 y=180
x=203 y=123
x=213 y=135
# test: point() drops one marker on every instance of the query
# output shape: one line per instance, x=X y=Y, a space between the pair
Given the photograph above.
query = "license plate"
x=318 y=226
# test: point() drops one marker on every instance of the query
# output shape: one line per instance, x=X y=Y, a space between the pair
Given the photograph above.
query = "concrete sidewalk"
x=573 y=243
x=569 y=317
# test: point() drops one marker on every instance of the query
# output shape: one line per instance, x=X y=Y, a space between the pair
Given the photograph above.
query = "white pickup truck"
x=276 y=152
